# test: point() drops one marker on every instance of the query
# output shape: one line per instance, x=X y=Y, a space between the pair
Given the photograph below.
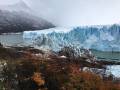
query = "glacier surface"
x=103 y=38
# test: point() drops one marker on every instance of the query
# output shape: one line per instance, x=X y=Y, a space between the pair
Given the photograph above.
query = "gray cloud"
x=5 y=2
x=76 y=12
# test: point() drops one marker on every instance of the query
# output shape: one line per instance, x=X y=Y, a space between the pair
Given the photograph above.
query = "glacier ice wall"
x=103 y=38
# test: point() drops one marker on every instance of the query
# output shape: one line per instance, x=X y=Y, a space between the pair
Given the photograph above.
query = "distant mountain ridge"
x=19 y=6
x=17 y=18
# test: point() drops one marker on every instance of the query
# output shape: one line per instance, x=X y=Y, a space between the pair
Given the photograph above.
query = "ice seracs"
x=102 y=38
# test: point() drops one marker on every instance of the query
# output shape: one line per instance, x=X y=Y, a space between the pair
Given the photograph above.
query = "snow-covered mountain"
x=19 y=17
x=104 y=38
x=19 y=6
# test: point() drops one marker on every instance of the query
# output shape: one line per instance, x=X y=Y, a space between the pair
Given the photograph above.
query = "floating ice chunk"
x=114 y=69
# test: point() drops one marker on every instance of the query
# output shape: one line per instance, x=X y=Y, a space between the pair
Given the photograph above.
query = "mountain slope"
x=19 y=6
x=18 y=18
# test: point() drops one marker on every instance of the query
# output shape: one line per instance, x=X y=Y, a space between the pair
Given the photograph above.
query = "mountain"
x=18 y=18
x=19 y=6
x=103 y=38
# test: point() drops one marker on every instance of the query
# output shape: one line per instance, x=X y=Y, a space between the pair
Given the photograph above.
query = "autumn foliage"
x=26 y=73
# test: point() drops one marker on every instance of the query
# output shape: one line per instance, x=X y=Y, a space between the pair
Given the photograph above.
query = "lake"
x=12 y=39
x=17 y=40
x=102 y=55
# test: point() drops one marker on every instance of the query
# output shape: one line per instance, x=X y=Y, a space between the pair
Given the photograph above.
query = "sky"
x=74 y=12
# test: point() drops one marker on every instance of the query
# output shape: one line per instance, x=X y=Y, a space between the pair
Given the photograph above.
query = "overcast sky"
x=75 y=12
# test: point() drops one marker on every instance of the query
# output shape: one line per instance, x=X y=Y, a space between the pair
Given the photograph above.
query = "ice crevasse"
x=103 y=38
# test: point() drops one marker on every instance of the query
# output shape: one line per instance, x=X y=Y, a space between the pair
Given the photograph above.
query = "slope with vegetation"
x=31 y=69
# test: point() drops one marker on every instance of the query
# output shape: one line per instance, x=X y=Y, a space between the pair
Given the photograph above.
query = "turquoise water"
x=11 y=39
x=101 y=55
x=17 y=39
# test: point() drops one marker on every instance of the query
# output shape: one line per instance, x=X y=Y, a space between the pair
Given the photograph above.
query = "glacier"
x=101 y=37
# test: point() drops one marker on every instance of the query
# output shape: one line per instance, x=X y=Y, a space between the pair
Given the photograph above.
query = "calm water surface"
x=12 y=39
x=17 y=40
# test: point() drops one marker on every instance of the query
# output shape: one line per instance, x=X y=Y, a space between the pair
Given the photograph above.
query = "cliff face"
x=103 y=38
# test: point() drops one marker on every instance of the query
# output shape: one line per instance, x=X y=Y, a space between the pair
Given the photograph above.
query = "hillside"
x=31 y=69
x=18 y=18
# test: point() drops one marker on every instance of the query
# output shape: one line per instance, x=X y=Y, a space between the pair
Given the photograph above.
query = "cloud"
x=76 y=12
x=6 y=2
